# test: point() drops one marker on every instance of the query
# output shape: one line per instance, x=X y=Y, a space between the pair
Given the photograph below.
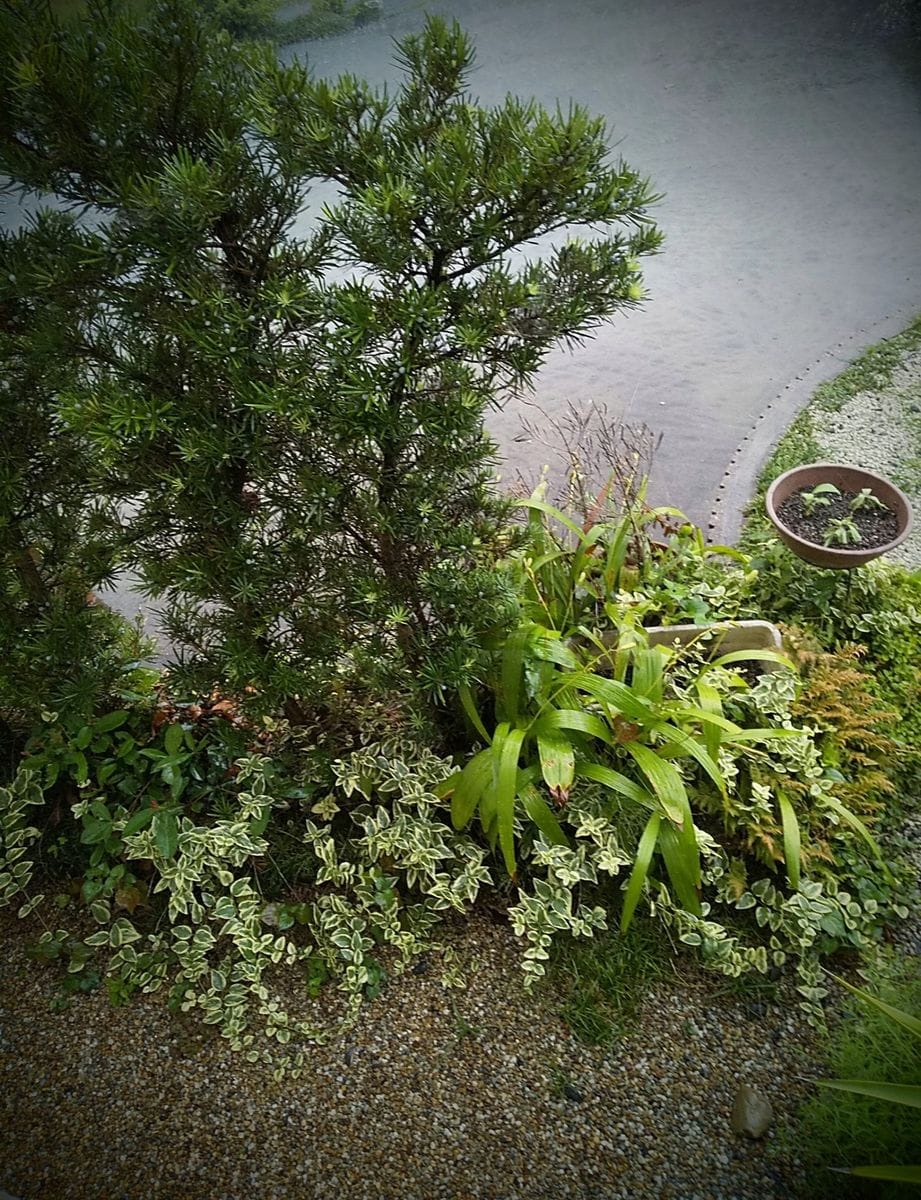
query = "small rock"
x=572 y=1093
x=751 y=1112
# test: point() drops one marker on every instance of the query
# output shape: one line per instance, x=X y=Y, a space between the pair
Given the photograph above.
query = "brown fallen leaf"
x=129 y=896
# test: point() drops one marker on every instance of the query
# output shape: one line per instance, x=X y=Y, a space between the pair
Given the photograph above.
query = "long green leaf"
x=617 y=783
x=893 y=1173
x=575 y=720
x=717 y=550
x=469 y=787
x=683 y=866
x=544 y=507
x=557 y=763
x=488 y=805
x=512 y=673
x=617 y=553
x=541 y=814
x=858 y=826
x=614 y=693
x=470 y=708
x=710 y=702
x=546 y=559
x=704 y=715
x=906 y=1020
x=664 y=778
x=644 y=853
x=688 y=836
x=555 y=650
x=735 y=656
x=762 y=735
x=506 y=791
x=893 y=1093
x=166 y=832
x=581 y=556
x=488 y=813
x=648 y=676
x=791 y=839
x=689 y=747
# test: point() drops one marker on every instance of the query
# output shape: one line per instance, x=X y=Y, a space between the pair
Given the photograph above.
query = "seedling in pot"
x=865 y=499
x=819 y=497
x=842 y=532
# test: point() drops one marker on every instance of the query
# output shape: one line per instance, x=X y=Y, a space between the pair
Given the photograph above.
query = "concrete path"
x=787 y=139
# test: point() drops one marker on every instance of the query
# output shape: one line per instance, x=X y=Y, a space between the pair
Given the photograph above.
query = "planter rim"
x=858 y=551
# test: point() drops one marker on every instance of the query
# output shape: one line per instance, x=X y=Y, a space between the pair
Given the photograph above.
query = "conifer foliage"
x=283 y=401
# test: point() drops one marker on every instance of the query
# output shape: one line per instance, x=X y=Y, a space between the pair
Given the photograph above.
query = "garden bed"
x=415 y=734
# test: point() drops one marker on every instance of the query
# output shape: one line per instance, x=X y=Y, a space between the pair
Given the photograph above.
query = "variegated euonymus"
x=385 y=885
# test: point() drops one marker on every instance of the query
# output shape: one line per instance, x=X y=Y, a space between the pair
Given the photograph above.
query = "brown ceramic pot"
x=847 y=479
x=727 y=637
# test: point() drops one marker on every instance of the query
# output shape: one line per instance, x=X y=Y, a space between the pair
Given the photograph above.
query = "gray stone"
x=751 y=1112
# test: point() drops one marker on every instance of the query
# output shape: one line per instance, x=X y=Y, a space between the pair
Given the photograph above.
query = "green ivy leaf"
x=139 y=821
x=112 y=720
x=172 y=740
x=166 y=832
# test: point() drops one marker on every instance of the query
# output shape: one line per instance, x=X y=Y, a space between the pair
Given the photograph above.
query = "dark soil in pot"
x=877 y=526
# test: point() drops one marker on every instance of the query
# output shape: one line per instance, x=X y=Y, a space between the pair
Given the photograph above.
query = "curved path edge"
x=741 y=475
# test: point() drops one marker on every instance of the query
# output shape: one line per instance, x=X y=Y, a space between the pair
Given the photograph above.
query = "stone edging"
x=741 y=475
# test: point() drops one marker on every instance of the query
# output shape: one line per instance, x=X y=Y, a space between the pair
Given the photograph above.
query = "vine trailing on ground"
x=222 y=939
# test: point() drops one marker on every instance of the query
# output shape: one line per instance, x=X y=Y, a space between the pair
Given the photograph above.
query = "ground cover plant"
x=396 y=690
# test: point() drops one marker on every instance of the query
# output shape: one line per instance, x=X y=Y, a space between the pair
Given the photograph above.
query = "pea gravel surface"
x=435 y=1095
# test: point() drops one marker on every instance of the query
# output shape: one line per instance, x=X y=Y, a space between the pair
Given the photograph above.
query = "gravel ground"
x=436 y=1095
x=881 y=431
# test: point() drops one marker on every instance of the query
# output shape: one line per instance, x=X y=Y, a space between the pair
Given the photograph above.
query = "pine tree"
x=293 y=424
